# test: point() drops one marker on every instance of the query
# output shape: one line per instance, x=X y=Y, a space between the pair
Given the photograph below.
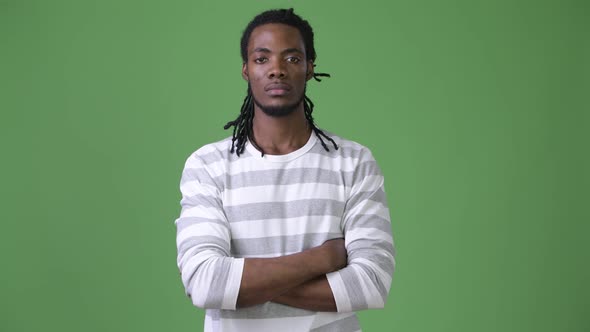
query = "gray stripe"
x=364 y=169
x=375 y=196
x=383 y=261
x=347 y=324
x=292 y=209
x=368 y=221
x=266 y=310
x=369 y=245
x=215 y=156
x=201 y=200
x=354 y=290
x=279 y=244
x=289 y=176
x=200 y=175
x=216 y=291
x=375 y=281
x=219 y=155
x=215 y=314
x=205 y=242
x=285 y=177
x=184 y=222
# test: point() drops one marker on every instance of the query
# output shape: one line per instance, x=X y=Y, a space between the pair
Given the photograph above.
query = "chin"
x=278 y=109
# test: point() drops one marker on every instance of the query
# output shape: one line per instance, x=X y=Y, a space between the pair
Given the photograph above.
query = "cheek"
x=255 y=77
x=257 y=81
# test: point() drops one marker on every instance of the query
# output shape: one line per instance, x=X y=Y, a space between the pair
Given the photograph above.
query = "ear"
x=245 y=71
x=309 y=74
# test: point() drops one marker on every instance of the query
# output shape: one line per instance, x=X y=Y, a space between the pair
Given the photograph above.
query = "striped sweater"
x=253 y=206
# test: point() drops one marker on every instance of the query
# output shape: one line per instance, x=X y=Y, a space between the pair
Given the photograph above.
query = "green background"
x=477 y=112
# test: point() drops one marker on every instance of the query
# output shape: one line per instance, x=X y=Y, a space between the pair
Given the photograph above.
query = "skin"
x=276 y=55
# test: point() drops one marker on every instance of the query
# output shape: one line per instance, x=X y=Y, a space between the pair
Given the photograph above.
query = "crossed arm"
x=297 y=280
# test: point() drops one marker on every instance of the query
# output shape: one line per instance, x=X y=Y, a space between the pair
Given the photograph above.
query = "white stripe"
x=203 y=277
x=372 y=234
x=194 y=187
x=183 y=259
x=369 y=207
x=368 y=183
x=339 y=290
x=234 y=280
x=283 y=193
x=193 y=262
x=219 y=146
x=291 y=324
x=203 y=212
x=204 y=229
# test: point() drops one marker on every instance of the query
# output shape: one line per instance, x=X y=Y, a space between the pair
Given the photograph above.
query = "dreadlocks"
x=243 y=123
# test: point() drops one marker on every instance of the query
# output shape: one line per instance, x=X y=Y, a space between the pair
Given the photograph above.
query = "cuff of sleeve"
x=234 y=281
x=339 y=291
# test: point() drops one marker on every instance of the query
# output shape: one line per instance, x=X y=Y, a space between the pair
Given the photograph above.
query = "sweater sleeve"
x=211 y=277
x=366 y=281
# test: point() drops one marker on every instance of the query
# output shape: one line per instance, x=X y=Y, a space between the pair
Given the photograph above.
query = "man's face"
x=276 y=68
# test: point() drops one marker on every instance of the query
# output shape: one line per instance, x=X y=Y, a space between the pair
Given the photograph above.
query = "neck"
x=280 y=135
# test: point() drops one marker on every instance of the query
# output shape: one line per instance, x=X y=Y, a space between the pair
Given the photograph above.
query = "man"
x=283 y=227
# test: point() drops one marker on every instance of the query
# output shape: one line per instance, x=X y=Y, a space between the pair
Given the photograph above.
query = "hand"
x=335 y=253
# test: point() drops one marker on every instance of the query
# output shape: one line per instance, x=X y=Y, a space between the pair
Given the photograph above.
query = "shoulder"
x=210 y=154
x=347 y=148
x=352 y=156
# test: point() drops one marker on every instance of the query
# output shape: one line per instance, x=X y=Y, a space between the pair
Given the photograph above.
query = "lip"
x=277 y=87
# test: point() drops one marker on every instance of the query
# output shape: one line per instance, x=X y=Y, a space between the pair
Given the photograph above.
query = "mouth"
x=277 y=89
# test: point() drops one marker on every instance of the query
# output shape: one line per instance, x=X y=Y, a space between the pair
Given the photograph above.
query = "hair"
x=243 y=123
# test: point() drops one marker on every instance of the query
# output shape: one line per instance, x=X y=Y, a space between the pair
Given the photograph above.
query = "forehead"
x=275 y=37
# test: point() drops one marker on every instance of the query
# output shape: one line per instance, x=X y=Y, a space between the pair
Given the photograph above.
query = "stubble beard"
x=280 y=110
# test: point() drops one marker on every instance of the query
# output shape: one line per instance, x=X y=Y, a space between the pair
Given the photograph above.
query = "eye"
x=260 y=60
x=293 y=59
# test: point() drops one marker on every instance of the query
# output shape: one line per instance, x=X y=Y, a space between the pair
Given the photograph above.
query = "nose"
x=277 y=70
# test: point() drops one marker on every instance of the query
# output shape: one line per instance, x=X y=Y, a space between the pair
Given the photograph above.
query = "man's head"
x=278 y=56
x=276 y=68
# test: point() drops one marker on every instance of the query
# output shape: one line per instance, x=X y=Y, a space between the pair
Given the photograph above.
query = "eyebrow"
x=266 y=50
